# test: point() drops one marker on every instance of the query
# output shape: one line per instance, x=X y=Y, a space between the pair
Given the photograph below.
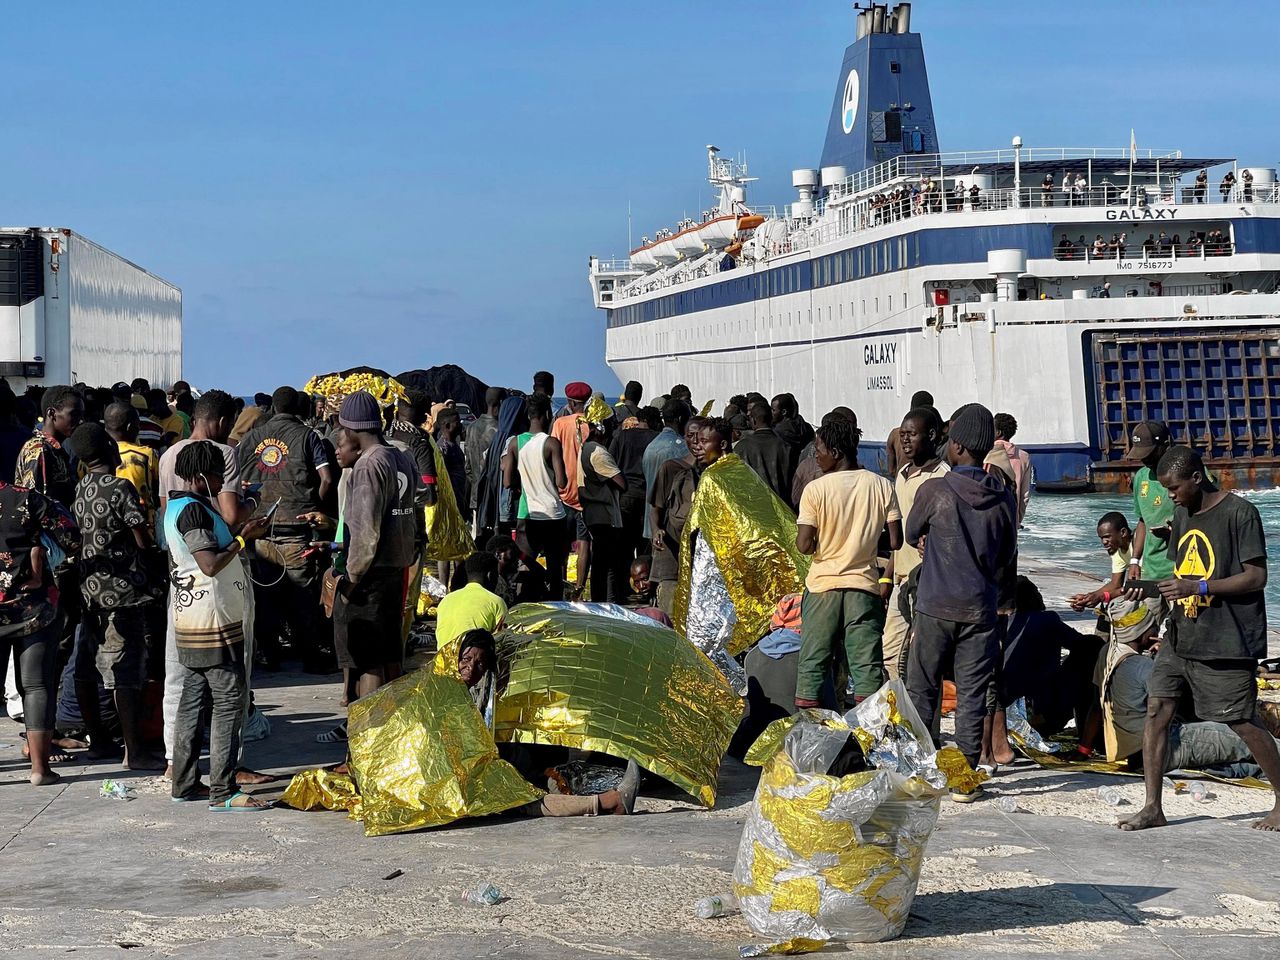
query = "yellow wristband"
x=243 y=544
x=886 y=580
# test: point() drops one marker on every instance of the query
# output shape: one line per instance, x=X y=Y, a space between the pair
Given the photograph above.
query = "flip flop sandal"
x=227 y=805
x=337 y=735
x=194 y=798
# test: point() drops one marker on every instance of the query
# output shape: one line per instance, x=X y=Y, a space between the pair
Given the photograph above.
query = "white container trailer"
x=72 y=312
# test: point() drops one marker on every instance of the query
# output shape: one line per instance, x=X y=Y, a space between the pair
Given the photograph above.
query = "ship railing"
x=616 y=265
x=1109 y=194
x=935 y=164
x=1132 y=251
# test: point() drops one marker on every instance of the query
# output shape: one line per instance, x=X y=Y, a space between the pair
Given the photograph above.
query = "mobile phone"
x=1149 y=588
x=271 y=510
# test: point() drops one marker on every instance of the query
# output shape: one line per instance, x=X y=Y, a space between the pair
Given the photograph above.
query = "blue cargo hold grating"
x=1217 y=389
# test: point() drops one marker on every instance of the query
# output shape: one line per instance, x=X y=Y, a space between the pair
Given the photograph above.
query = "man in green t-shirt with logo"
x=1151 y=501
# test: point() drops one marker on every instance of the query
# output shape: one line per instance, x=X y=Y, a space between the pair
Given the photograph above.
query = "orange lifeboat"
x=750 y=221
x=734 y=248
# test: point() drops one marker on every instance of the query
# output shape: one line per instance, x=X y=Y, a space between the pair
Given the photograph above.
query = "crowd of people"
x=1211 y=243
x=926 y=195
x=160 y=536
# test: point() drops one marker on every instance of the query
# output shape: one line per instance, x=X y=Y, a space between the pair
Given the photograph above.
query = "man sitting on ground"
x=477 y=666
x=1121 y=675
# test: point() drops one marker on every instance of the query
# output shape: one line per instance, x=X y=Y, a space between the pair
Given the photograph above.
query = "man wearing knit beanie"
x=966 y=522
x=381 y=543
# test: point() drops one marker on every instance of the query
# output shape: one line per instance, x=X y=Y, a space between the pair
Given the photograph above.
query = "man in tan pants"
x=918 y=439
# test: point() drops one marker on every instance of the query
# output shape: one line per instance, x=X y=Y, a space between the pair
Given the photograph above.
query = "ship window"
x=877 y=304
x=891 y=302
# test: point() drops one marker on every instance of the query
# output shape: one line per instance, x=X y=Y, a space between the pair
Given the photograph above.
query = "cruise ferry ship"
x=1081 y=290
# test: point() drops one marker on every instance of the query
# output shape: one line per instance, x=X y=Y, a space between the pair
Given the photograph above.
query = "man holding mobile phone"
x=1218 y=631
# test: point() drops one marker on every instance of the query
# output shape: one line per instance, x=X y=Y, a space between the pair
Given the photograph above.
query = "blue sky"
x=407 y=184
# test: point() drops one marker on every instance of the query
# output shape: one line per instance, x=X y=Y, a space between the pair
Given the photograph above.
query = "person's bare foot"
x=145 y=761
x=342 y=769
x=55 y=756
x=1271 y=822
x=46 y=779
x=1145 y=819
x=1003 y=759
x=250 y=778
x=168 y=771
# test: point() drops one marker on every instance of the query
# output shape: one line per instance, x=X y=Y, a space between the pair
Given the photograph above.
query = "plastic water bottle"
x=1200 y=792
x=1110 y=796
x=1007 y=804
x=721 y=905
x=483 y=894
x=115 y=790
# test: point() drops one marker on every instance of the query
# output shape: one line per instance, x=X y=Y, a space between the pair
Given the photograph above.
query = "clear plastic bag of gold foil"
x=826 y=857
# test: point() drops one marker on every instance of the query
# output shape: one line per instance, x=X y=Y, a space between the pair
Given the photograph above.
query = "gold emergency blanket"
x=826 y=857
x=633 y=691
x=322 y=790
x=447 y=535
x=421 y=756
x=752 y=535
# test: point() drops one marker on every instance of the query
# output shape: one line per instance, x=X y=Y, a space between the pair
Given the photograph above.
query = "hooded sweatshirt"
x=970 y=556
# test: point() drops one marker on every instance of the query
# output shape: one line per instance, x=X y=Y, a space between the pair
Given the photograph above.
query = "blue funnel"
x=882 y=108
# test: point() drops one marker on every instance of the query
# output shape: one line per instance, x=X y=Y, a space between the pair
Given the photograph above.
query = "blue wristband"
x=1204 y=588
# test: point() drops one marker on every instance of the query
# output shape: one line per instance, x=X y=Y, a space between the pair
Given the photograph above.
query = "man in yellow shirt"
x=475 y=606
x=138 y=464
x=842 y=515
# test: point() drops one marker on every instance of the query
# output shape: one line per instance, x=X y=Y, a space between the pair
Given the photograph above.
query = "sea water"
x=1062 y=529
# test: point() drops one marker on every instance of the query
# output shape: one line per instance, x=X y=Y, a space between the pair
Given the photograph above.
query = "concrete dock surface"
x=96 y=877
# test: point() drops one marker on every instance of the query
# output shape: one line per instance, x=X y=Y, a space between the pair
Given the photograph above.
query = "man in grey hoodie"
x=965 y=522
x=380 y=538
